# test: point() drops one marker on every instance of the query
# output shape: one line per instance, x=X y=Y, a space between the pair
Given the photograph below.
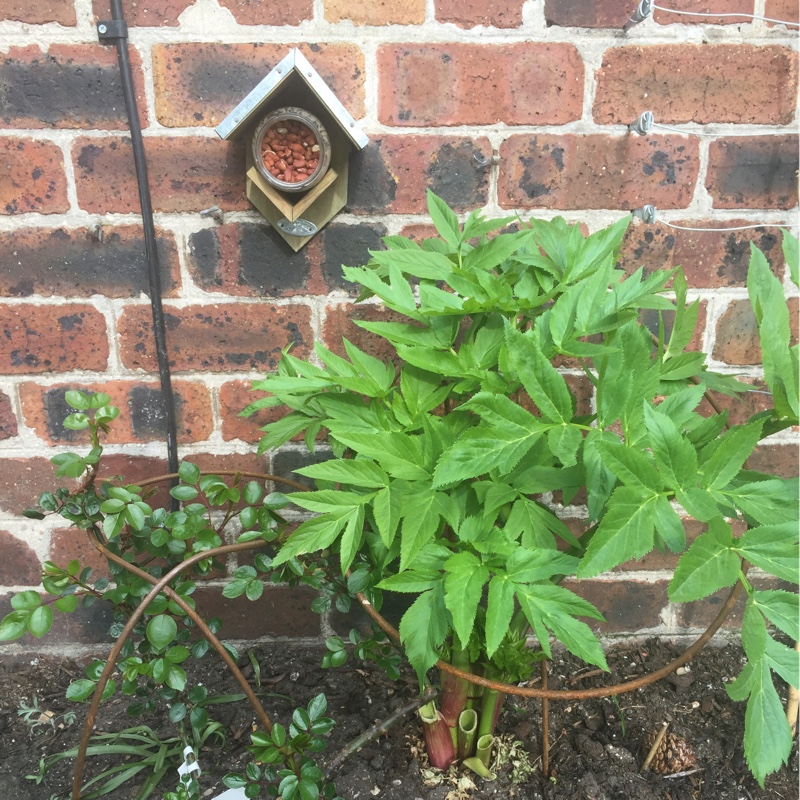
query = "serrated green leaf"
x=411 y=581
x=356 y=472
x=727 y=454
x=444 y=219
x=625 y=532
x=675 y=457
x=351 y=538
x=564 y=442
x=632 y=467
x=499 y=609
x=708 y=565
x=423 y=628
x=420 y=523
x=773 y=548
x=313 y=535
x=465 y=577
x=768 y=502
x=781 y=609
x=669 y=526
x=754 y=632
x=543 y=383
x=784 y=661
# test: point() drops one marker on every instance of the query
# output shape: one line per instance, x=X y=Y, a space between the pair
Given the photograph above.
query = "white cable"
x=704 y=133
x=708 y=14
x=649 y=214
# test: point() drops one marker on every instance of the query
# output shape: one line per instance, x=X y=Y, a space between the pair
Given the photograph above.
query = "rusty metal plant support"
x=162 y=585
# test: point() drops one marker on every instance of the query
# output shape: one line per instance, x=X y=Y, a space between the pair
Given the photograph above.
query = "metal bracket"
x=642 y=12
x=643 y=123
x=112 y=29
x=647 y=213
x=298 y=227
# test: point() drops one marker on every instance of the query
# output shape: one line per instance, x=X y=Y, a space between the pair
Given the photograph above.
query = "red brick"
x=280 y=611
x=757 y=172
x=709 y=259
x=699 y=83
x=589 y=13
x=628 y=605
x=19 y=565
x=8 y=420
x=788 y=10
x=257 y=12
x=392 y=174
x=235 y=396
x=187 y=173
x=742 y=407
x=464 y=84
x=141 y=416
x=737 y=333
x=74 y=262
x=376 y=12
x=39 y=12
x=776 y=459
x=219 y=338
x=52 y=339
x=31 y=177
x=597 y=171
x=68 y=544
x=249 y=259
x=706 y=7
x=145 y=13
x=471 y=13
x=199 y=83
x=340 y=323
x=69 y=86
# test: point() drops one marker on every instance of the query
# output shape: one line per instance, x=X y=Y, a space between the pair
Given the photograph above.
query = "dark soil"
x=596 y=745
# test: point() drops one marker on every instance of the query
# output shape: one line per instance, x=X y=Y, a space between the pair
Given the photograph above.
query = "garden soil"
x=596 y=749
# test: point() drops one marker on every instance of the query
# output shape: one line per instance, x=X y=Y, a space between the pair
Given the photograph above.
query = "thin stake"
x=793 y=702
x=656 y=744
x=545 y=724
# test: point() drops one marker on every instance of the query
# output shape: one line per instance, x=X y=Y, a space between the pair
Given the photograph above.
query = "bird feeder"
x=299 y=137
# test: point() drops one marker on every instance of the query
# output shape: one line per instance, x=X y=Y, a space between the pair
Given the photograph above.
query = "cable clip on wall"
x=646 y=7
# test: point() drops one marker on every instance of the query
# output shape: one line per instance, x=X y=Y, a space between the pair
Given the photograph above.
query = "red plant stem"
x=545 y=724
x=576 y=694
x=438 y=739
x=455 y=690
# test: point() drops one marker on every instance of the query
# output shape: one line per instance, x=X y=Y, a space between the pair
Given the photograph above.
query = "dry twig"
x=656 y=744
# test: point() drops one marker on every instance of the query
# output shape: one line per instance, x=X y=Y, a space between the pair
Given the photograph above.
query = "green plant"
x=446 y=458
x=142 y=544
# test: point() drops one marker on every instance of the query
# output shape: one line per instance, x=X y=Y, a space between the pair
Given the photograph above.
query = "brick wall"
x=545 y=87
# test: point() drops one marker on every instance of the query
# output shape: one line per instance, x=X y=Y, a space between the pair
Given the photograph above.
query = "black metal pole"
x=117 y=32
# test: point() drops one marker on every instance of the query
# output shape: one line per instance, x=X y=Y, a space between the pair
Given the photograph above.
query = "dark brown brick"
x=19 y=565
x=597 y=171
x=589 y=13
x=392 y=174
x=68 y=544
x=368 y=12
x=629 y=605
x=31 y=177
x=219 y=338
x=142 y=417
x=707 y=7
x=347 y=245
x=199 y=83
x=39 y=12
x=152 y=13
x=248 y=259
x=709 y=259
x=280 y=611
x=74 y=262
x=87 y=626
x=69 y=86
x=737 y=333
x=776 y=459
x=471 y=13
x=339 y=324
x=285 y=462
x=257 y=12
x=758 y=172
x=52 y=339
x=8 y=420
x=465 y=84
x=699 y=83
x=187 y=173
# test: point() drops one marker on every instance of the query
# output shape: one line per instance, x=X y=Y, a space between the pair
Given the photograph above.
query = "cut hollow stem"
x=438 y=740
x=479 y=768
x=490 y=711
x=483 y=751
x=467 y=732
